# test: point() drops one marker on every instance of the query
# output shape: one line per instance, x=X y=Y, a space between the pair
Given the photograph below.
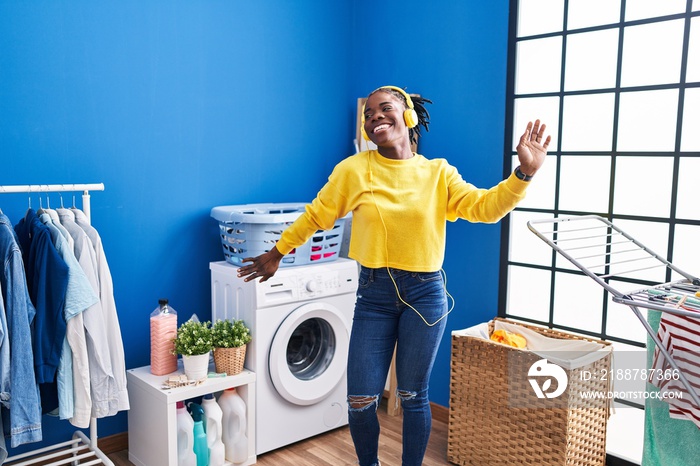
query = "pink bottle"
x=163 y=331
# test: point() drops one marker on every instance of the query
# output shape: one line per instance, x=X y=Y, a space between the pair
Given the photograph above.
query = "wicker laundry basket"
x=494 y=420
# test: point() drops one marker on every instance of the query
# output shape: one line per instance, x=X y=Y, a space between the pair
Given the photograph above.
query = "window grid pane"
x=652 y=53
x=580 y=61
x=627 y=149
x=587 y=13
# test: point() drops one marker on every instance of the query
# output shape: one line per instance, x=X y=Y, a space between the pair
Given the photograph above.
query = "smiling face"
x=384 y=122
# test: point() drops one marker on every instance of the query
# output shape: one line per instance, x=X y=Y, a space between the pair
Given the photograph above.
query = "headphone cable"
x=386 y=256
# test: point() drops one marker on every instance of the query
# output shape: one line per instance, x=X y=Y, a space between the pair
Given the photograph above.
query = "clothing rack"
x=48 y=188
x=603 y=252
x=82 y=450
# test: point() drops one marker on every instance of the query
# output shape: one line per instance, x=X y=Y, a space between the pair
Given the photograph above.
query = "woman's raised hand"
x=531 y=150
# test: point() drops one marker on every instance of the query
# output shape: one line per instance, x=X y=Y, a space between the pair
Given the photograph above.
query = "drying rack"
x=603 y=252
x=80 y=450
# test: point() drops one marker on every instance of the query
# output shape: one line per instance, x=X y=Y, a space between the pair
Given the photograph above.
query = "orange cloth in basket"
x=509 y=338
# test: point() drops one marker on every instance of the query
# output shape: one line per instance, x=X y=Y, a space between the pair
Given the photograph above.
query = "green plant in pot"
x=229 y=340
x=194 y=343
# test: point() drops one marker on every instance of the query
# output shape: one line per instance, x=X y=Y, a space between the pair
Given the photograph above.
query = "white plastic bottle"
x=234 y=426
x=185 y=437
x=213 y=421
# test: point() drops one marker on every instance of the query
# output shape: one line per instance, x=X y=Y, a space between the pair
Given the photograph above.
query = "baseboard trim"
x=440 y=413
x=113 y=443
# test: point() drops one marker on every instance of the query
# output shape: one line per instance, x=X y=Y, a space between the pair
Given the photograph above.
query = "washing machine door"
x=309 y=353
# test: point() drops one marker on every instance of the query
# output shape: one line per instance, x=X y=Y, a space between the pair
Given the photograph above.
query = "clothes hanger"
x=74 y=208
x=61 y=209
x=29 y=208
x=41 y=207
x=52 y=212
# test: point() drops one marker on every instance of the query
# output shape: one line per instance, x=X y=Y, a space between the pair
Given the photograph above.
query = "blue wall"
x=179 y=106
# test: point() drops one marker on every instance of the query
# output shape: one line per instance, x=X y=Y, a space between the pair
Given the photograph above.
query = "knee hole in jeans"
x=406 y=394
x=362 y=402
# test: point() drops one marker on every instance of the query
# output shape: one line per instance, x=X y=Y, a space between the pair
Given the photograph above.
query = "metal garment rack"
x=603 y=252
x=81 y=449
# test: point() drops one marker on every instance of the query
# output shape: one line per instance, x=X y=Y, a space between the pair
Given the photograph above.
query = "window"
x=618 y=85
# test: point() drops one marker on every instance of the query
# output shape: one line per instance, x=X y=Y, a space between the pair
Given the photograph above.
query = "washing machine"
x=300 y=321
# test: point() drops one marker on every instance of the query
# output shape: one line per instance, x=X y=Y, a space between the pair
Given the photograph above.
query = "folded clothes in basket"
x=567 y=353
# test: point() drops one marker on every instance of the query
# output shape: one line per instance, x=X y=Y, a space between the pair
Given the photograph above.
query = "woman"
x=400 y=202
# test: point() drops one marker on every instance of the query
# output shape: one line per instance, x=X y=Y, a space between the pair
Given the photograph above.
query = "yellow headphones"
x=410 y=117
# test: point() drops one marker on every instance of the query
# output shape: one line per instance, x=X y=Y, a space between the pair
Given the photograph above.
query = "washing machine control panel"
x=308 y=282
x=318 y=285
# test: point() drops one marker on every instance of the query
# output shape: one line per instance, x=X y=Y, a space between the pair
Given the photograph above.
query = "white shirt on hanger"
x=109 y=308
x=103 y=388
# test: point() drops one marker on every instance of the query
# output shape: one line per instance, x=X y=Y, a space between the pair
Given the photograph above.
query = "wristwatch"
x=522 y=175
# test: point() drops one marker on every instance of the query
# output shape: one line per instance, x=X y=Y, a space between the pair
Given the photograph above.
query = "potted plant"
x=229 y=340
x=194 y=343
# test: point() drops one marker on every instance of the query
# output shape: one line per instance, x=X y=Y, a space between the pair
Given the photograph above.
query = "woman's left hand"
x=531 y=150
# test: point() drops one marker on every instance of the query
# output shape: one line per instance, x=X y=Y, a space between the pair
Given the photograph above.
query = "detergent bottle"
x=163 y=331
x=185 y=437
x=234 y=426
x=213 y=423
x=200 y=437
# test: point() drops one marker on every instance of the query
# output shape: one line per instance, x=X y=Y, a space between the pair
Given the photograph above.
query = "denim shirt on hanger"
x=4 y=369
x=24 y=417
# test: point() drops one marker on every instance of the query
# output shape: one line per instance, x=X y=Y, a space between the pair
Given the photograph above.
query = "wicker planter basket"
x=492 y=420
x=229 y=360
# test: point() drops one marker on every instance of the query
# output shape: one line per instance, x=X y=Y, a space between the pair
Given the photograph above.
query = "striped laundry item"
x=680 y=335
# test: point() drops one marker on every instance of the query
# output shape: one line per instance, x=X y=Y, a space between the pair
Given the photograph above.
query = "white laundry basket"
x=252 y=229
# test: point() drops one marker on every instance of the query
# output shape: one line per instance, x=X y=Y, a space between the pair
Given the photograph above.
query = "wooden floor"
x=335 y=448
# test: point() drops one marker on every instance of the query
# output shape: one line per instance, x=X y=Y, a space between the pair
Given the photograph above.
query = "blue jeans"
x=381 y=321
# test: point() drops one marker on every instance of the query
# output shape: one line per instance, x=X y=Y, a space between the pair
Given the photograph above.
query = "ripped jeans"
x=381 y=320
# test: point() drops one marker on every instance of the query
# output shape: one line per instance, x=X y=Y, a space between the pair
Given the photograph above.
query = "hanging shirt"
x=109 y=308
x=4 y=373
x=103 y=388
x=5 y=240
x=47 y=279
x=22 y=398
x=3 y=444
x=74 y=358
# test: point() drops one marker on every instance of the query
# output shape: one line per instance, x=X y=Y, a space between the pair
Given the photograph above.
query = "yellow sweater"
x=399 y=209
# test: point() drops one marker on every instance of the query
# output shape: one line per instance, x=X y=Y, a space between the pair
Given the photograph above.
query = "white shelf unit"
x=152 y=417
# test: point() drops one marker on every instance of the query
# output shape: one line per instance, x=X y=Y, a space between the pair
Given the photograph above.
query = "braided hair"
x=418 y=105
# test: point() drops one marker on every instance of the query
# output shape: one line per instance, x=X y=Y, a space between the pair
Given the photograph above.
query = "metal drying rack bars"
x=603 y=252
x=80 y=450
